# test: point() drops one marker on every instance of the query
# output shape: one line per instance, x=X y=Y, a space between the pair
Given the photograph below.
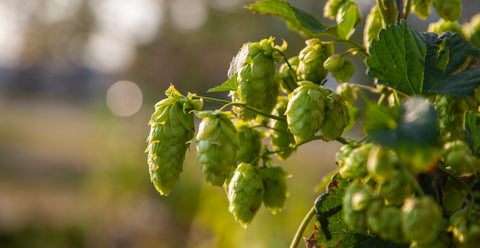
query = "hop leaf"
x=373 y=25
x=281 y=137
x=312 y=57
x=422 y=8
x=275 y=185
x=245 y=193
x=172 y=126
x=448 y=9
x=306 y=110
x=217 y=144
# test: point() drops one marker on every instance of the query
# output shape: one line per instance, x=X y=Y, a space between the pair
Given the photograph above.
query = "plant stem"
x=388 y=10
x=408 y=6
x=400 y=10
x=458 y=179
x=301 y=228
x=362 y=52
x=292 y=72
x=228 y=104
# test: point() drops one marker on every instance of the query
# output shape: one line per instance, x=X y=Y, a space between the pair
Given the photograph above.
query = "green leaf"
x=414 y=123
x=472 y=131
x=422 y=63
x=346 y=27
x=229 y=85
x=296 y=19
x=331 y=230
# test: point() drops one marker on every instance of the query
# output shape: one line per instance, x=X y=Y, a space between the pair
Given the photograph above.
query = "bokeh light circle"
x=124 y=98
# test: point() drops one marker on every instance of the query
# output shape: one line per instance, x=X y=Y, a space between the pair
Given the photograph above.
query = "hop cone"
x=305 y=110
x=422 y=8
x=355 y=205
x=286 y=77
x=344 y=73
x=465 y=226
x=245 y=193
x=250 y=143
x=257 y=86
x=420 y=218
x=444 y=26
x=448 y=9
x=275 y=185
x=386 y=221
x=397 y=188
x=457 y=155
x=336 y=117
x=373 y=25
x=281 y=137
x=171 y=126
x=217 y=144
x=450 y=116
x=354 y=165
x=347 y=92
x=311 y=59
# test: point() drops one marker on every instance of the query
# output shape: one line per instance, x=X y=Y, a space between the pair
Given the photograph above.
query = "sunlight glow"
x=124 y=98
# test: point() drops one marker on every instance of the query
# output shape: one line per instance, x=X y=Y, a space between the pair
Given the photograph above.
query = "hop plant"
x=287 y=77
x=305 y=110
x=245 y=193
x=311 y=59
x=381 y=164
x=281 y=137
x=448 y=9
x=373 y=25
x=465 y=226
x=171 y=127
x=398 y=188
x=356 y=201
x=450 y=116
x=421 y=217
x=250 y=143
x=345 y=73
x=336 y=117
x=275 y=186
x=422 y=8
x=257 y=86
x=217 y=144
x=354 y=165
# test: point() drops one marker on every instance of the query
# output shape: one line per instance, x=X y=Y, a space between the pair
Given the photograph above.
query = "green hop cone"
x=450 y=117
x=275 y=185
x=386 y=221
x=171 y=127
x=217 y=144
x=373 y=25
x=465 y=226
x=421 y=217
x=472 y=30
x=281 y=137
x=356 y=202
x=457 y=155
x=345 y=73
x=381 y=163
x=354 y=165
x=398 y=188
x=257 y=86
x=444 y=241
x=286 y=77
x=331 y=8
x=311 y=59
x=250 y=143
x=245 y=193
x=453 y=195
x=448 y=9
x=342 y=155
x=348 y=93
x=444 y=26
x=305 y=110
x=334 y=62
x=336 y=117
x=422 y=8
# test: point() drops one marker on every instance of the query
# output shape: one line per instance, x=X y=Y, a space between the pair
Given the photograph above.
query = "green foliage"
x=410 y=182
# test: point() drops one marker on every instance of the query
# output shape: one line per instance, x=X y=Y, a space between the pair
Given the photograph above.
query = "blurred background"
x=78 y=81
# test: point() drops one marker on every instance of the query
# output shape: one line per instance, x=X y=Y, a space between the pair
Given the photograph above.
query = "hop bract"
x=245 y=193
x=311 y=59
x=217 y=144
x=305 y=110
x=250 y=143
x=257 y=86
x=172 y=126
x=281 y=137
x=275 y=185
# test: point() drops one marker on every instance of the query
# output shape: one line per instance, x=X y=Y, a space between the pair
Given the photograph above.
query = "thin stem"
x=363 y=86
x=400 y=10
x=302 y=227
x=362 y=51
x=408 y=6
x=241 y=105
x=459 y=180
x=227 y=105
x=418 y=188
x=288 y=64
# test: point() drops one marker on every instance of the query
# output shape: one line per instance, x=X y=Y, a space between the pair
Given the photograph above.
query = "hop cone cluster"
x=217 y=144
x=171 y=127
x=306 y=110
x=250 y=143
x=245 y=193
x=311 y=59
x=281 y=137
x=257 y=86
